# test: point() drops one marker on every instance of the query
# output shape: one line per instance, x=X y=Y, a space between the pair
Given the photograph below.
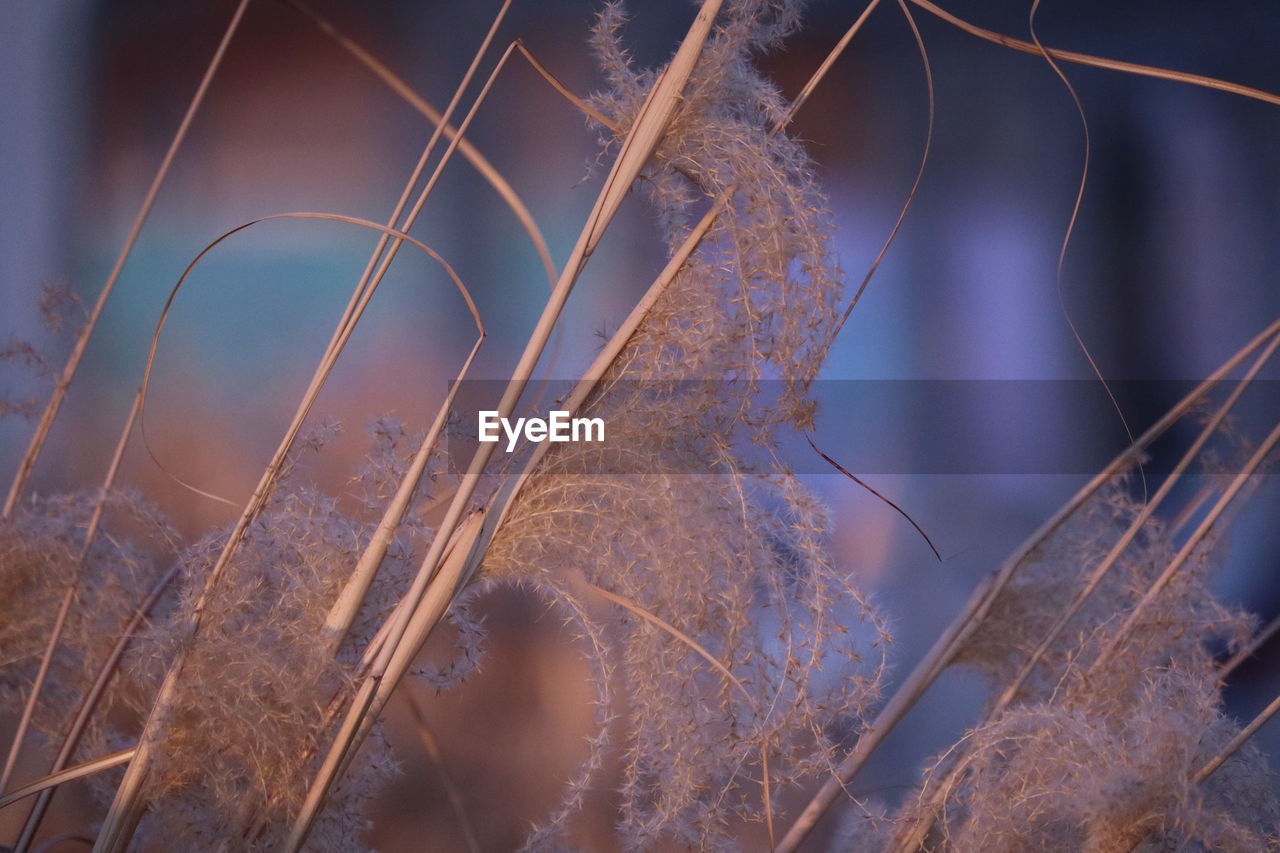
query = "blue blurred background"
x=1172 y=266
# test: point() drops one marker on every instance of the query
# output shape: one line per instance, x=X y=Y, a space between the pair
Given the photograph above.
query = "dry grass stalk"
x=314 y=616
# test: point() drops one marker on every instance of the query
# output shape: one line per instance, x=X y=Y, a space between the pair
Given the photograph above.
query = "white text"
x=557 y=426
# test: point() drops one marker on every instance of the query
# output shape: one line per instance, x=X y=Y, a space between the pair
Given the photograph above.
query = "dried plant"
x=234 y=693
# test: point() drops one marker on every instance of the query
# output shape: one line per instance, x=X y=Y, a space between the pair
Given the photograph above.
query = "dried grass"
x=732 y=664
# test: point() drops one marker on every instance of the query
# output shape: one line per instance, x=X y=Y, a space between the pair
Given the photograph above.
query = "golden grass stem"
x=667 y=628
x=1140 y=520
x=924 y=155
x=461 y=540
x=937 y=659
x=429 y=596
x=89 y=704
x=82 y=337
x=377 y=686
x=1097 y=61
x=1257 y=641
x=585 y=108
x=829 y=61
x=64 y=608
x=345 y=609
x=945 y=648
x=1242 y=737
x=1071 y=226
x=618 y=340
x=1241 y=479
x=127 y=807
x=80 y=771
x=472 y=155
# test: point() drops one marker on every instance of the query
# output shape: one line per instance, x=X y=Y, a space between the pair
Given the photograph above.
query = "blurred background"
x=1172 y=267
